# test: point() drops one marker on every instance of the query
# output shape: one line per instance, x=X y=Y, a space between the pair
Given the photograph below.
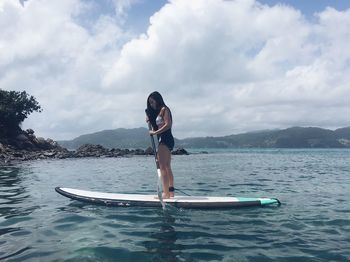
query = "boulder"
x=116 y=152
x=22 y=138
x=64 y=153
x=18 y=155
x=22 y=141
x=30 y=131
x=42 y=143
x=149 y=151
x=138 y=152
x=52 y=142
x=49 y=153
x=30 y=134
x=88 y=150
x=180 y=151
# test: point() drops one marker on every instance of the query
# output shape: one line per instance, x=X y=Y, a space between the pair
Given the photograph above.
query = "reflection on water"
x=12 y=193
x=14 y=211
x=162 y=244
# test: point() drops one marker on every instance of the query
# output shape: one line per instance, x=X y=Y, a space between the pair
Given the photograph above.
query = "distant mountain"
x=117 y=138
x=343 y=132
x=294 y=137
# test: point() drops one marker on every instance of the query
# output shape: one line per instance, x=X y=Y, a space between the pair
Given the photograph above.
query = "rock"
x=20 y=155
x=30 y=131
x=42 y=143
x=52 y=142
x=88 y=150
x=116 y=152
x=50 y=154
x=30 y=134
x=180 y=151
x=23 y=142
x=149 y=151
x=22 y=137
x=126 y=151
x=26 y=146
x=64 y=153
x=139 y=152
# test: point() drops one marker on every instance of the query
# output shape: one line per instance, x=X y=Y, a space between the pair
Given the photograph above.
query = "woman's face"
x=153 y=103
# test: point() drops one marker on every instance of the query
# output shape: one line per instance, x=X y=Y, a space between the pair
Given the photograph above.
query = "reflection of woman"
x=159 y=115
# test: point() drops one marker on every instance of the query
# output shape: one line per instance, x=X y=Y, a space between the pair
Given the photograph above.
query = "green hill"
x=117 y=138
x=294 y=137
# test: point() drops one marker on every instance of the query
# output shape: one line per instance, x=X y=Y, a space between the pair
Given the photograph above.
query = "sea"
x=312 y=224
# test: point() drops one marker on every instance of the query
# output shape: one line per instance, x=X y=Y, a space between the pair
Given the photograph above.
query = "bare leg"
x=171 y=178
x=164 y=163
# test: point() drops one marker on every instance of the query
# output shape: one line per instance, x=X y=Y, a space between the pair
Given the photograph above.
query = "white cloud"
x=223 y=66
x=45 y=51
x=122 y=6
x=239 y=65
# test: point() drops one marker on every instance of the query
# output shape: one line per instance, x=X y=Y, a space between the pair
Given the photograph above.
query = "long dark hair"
x=151 y=113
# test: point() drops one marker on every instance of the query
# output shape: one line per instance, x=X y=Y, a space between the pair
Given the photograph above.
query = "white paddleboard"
x=125 y=200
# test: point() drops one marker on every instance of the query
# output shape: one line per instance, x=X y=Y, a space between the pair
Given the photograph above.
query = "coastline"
x=9 y=154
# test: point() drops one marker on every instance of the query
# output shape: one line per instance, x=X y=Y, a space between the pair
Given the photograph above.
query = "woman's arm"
x=167 y=122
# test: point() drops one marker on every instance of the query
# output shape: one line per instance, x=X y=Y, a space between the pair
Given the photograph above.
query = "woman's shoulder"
x=163 y=109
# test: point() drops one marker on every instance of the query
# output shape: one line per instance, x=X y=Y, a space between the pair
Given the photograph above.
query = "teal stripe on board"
x=247 y=199
x=268 y=201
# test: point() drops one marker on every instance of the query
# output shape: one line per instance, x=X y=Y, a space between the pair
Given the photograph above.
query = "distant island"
x=294 y=137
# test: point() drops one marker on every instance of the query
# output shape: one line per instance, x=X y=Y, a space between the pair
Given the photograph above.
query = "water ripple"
x=313 y=223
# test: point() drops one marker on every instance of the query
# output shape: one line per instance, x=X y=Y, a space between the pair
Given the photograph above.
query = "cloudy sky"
x=222 y=66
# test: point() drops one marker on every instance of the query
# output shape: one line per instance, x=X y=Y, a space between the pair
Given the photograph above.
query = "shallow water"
x=313 y=223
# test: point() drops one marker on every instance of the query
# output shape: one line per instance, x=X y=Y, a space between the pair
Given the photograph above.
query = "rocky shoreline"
x=27 y=147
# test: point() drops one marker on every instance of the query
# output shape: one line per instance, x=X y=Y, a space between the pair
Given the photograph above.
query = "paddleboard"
x=125 y=200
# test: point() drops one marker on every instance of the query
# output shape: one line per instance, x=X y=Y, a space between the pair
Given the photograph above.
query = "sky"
x=223 y=66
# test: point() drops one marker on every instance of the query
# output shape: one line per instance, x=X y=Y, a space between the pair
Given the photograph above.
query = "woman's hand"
x=152 y=132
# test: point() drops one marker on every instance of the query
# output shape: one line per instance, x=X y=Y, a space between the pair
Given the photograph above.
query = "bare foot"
x=171 y=194
x=166 y=195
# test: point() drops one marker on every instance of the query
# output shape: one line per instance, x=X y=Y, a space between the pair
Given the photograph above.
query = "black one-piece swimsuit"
x=165 y=138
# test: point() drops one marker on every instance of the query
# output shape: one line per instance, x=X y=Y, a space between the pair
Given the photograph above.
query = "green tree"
x=14 y=108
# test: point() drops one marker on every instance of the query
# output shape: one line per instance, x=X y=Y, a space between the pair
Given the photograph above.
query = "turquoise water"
x=313 y=223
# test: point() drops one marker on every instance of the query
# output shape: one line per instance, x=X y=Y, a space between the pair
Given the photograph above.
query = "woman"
x=159 y=115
